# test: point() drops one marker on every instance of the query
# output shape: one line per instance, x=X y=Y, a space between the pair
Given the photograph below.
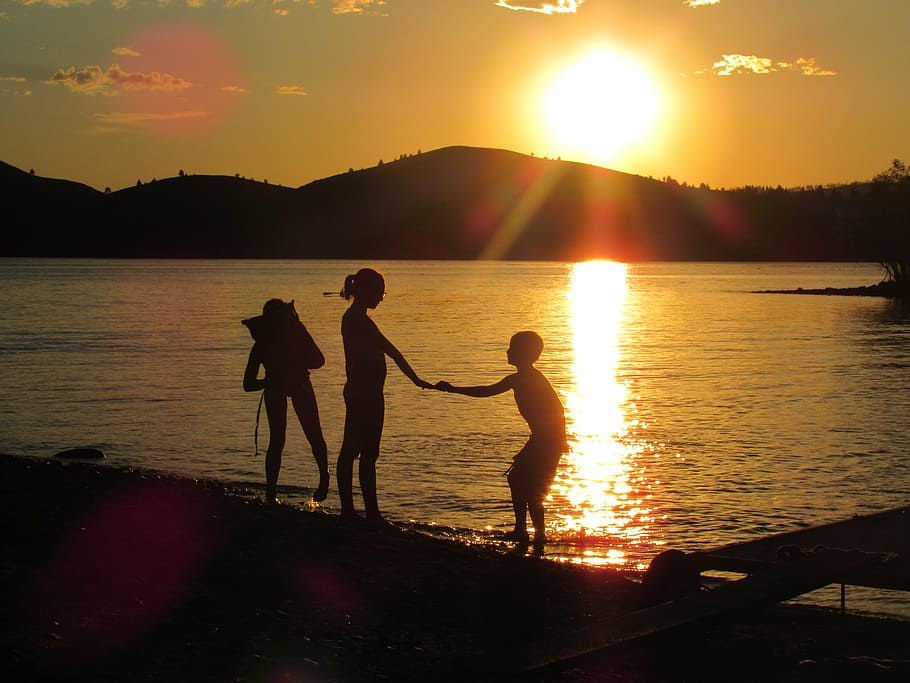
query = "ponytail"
x=347 y=291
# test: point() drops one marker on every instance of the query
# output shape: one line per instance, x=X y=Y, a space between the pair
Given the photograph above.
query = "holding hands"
x=443 y=386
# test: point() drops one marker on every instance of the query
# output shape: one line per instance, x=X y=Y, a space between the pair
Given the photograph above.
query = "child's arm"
x=396 y=355
x=251 y=382
x=500 y=387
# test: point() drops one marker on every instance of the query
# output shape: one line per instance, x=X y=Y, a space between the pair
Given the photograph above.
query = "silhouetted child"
x=534 y=466
x=284 y=347
x=365 y=349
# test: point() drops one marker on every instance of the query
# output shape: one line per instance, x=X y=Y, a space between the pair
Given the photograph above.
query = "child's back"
x=539 y=405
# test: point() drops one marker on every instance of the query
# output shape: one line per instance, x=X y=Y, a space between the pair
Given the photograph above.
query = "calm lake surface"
x=700 y=413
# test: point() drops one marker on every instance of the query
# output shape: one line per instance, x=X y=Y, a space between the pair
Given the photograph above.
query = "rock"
x=672 y=574
x=80 y=454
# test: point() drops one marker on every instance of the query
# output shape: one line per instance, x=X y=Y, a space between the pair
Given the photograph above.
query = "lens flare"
x=197 y=59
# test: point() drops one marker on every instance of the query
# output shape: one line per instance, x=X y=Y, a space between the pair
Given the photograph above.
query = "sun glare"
x=597 y=488
x=599 y=106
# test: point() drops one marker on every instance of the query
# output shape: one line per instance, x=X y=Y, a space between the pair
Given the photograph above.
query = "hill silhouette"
x=453 y=203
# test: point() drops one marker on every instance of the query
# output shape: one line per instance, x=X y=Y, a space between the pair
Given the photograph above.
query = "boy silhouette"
x=534 y=466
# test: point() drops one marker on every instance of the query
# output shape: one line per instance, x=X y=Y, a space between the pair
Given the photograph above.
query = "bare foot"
x=519 y=535
x=379 y=523
x=322 y=491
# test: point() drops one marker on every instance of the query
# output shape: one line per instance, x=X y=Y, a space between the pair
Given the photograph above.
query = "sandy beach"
x=118 y=575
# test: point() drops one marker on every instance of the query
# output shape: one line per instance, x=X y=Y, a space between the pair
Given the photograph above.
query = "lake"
x=700 y=412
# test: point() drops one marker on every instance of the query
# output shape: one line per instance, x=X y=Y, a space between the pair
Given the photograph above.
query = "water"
x=701 y=413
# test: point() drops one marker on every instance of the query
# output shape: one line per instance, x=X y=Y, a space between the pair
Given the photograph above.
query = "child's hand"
x=443 y=386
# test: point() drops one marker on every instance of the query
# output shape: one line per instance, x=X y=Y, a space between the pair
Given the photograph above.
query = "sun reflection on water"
x=596 y=503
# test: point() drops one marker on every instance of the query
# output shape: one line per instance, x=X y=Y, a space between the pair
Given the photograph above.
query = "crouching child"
x=534 y=466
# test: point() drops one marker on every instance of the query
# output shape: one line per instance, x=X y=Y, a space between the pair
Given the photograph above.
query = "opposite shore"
x=886 y=289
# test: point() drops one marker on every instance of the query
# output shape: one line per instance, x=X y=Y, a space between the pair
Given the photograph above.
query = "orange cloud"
x=93 y=80
x=357 y=6
x=135 y=118
x=290 y=90
x=735 y=65
x=56 y=3
x=561 y=6
x=125 y=52
x=701 y=3
x=14 y=90
x=810 y=68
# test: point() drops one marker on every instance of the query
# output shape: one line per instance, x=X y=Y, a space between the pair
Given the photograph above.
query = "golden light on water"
x=595 y=495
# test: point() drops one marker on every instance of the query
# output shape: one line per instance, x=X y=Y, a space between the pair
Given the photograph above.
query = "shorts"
x=534 y=467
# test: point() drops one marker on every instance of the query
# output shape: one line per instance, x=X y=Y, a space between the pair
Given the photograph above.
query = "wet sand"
x=116 y=575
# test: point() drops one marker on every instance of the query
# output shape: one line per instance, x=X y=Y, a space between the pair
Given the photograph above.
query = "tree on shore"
x=894 y=186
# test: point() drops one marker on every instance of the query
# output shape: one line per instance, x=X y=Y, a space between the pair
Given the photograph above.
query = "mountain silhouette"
x=451 y=203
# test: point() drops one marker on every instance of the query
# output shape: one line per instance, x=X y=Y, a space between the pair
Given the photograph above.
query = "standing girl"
x=365 y=349
x=284 y=347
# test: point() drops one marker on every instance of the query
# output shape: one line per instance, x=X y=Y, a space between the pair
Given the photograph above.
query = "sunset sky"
x=723 y=92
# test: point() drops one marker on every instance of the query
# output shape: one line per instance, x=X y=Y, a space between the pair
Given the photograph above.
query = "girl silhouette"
x=365 y=349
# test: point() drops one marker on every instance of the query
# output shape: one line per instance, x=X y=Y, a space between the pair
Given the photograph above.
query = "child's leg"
x=539 y=486
x=344 y=477
x=308 y=414
x=344 y=468
x=372 y=435
x=276 y=409
x=535 y=508
x=519 y=503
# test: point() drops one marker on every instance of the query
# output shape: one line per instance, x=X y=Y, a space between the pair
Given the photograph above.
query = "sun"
x=599 y=106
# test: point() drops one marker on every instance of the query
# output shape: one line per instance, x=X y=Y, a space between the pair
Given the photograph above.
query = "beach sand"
x=118 y=575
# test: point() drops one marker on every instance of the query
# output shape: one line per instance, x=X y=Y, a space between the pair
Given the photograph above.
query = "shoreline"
x=117 y=574
x=888 y=290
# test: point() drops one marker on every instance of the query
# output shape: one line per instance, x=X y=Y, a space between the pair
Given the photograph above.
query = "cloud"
x=135 y=118
x=561 y=6
x=736 y=65
x=729 y=65
x=14 y=90
x=810 y=68
x=337 y=6
x=56 y=3
x=290 y=90
x=700 y=3
x=357 y=6
x=125 y=52
x=93 y=80
x=234 y=88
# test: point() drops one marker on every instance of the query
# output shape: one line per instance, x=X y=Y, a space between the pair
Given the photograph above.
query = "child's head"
x=278 y=311
x=365 y=284
x=274 y=309
x=525 y=348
